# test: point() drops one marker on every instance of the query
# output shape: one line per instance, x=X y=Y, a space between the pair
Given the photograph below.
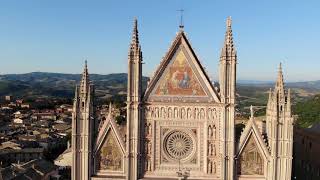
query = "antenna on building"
x=181 y=26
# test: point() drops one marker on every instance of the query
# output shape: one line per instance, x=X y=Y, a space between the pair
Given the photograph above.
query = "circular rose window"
x=178 y=145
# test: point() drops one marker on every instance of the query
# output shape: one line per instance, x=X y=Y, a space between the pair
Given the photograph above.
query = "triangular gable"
x=109 y=125
x=252 y=129
x=110 y=148
x=180 y=74
x=252 y=154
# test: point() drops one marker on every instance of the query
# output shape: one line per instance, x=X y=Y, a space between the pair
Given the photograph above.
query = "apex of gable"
x=180 y=73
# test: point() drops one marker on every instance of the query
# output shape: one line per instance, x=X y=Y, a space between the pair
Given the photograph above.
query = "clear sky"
x=57 y=36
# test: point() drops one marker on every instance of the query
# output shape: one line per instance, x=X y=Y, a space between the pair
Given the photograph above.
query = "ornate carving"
x=185 y=113
x=212 y=167
x=179 y=145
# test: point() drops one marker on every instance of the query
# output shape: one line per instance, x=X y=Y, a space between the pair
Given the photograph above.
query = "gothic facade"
x=182 y=125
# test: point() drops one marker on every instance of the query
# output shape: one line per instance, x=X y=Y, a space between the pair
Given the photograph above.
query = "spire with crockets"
x=84 y=83
x=83 y=128
x=134 y=96
x=227 y=81
x=279 y=126
x=228 y=47
x=135 y=46
x=279 y=87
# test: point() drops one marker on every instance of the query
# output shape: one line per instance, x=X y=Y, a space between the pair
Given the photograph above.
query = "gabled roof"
x=251 y=129
x=109 y=125
x=181 y=43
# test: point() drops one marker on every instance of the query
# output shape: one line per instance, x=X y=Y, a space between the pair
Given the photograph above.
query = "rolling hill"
x=45 y=84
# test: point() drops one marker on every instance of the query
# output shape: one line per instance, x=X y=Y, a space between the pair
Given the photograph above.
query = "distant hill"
x=60 y=85
x=63 y=85
x=308 y=111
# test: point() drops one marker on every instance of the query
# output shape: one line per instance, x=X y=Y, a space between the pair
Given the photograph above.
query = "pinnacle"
x=229 y=22
x=280 y=82
x=135 y=36
x=110 y=109
x=228 y=47
x=85 y=79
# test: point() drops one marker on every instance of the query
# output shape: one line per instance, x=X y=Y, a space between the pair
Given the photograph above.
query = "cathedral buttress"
x=134 y=94
x=280 y=130
x=227 y=80
x=83 y=126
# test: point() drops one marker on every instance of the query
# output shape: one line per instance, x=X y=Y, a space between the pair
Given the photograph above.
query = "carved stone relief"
x=185 y=113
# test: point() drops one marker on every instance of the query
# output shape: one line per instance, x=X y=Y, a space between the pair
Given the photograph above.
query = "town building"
x=306 y=153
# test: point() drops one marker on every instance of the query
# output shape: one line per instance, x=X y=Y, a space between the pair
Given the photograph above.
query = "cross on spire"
x=181 y=26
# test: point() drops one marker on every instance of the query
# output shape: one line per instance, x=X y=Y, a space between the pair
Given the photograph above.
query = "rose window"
x=178 y=145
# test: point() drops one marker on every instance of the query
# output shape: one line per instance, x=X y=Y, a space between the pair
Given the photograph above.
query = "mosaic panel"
x=180 y=79
x=251 y=161
x=110 y=154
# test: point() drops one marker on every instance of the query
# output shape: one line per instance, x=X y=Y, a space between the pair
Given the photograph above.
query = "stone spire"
x=228 y=47
x=134 y=114
x=84 y=83
x=83 y=128
x=135 y=36
x=135 y=64
x=227 y=81
x=279 y=126
x=279 y=87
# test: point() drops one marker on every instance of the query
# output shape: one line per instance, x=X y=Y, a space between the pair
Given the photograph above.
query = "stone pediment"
x=181 y=76
x=109 y=148
x=252 y=154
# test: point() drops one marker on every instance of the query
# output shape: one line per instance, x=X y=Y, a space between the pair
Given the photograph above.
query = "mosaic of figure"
x=180 y=79
x=110 y=154
x=251 y=161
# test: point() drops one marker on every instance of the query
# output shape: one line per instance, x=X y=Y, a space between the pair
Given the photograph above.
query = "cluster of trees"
x=308 y=112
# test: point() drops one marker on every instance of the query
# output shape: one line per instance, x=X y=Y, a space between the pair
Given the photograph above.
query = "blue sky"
x=57 y=36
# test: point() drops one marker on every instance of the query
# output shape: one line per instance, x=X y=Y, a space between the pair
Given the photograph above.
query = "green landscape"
x=112 y=87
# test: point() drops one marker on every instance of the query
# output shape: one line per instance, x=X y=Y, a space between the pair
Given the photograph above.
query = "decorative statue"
x=149 y=164
x=209 y=131
x=149 y=129
x=214 y=132
x=210 y=167
x=149 y=148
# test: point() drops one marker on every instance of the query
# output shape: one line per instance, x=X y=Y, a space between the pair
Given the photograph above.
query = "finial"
x=251 y=111
x=280 y=76
x=86 y=64
x=110 y=108
x=181 y=26
x=135 y=25
x=229 y=21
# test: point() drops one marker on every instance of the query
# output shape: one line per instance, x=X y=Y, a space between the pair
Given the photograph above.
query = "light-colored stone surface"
x=184 y=123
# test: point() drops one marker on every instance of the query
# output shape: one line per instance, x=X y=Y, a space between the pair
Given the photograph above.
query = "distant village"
x=35 y=137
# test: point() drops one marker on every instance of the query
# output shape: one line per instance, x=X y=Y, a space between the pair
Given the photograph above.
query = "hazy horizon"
x=253 y=81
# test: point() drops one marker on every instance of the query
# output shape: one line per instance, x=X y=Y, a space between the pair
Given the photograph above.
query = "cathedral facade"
x=183 y=125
